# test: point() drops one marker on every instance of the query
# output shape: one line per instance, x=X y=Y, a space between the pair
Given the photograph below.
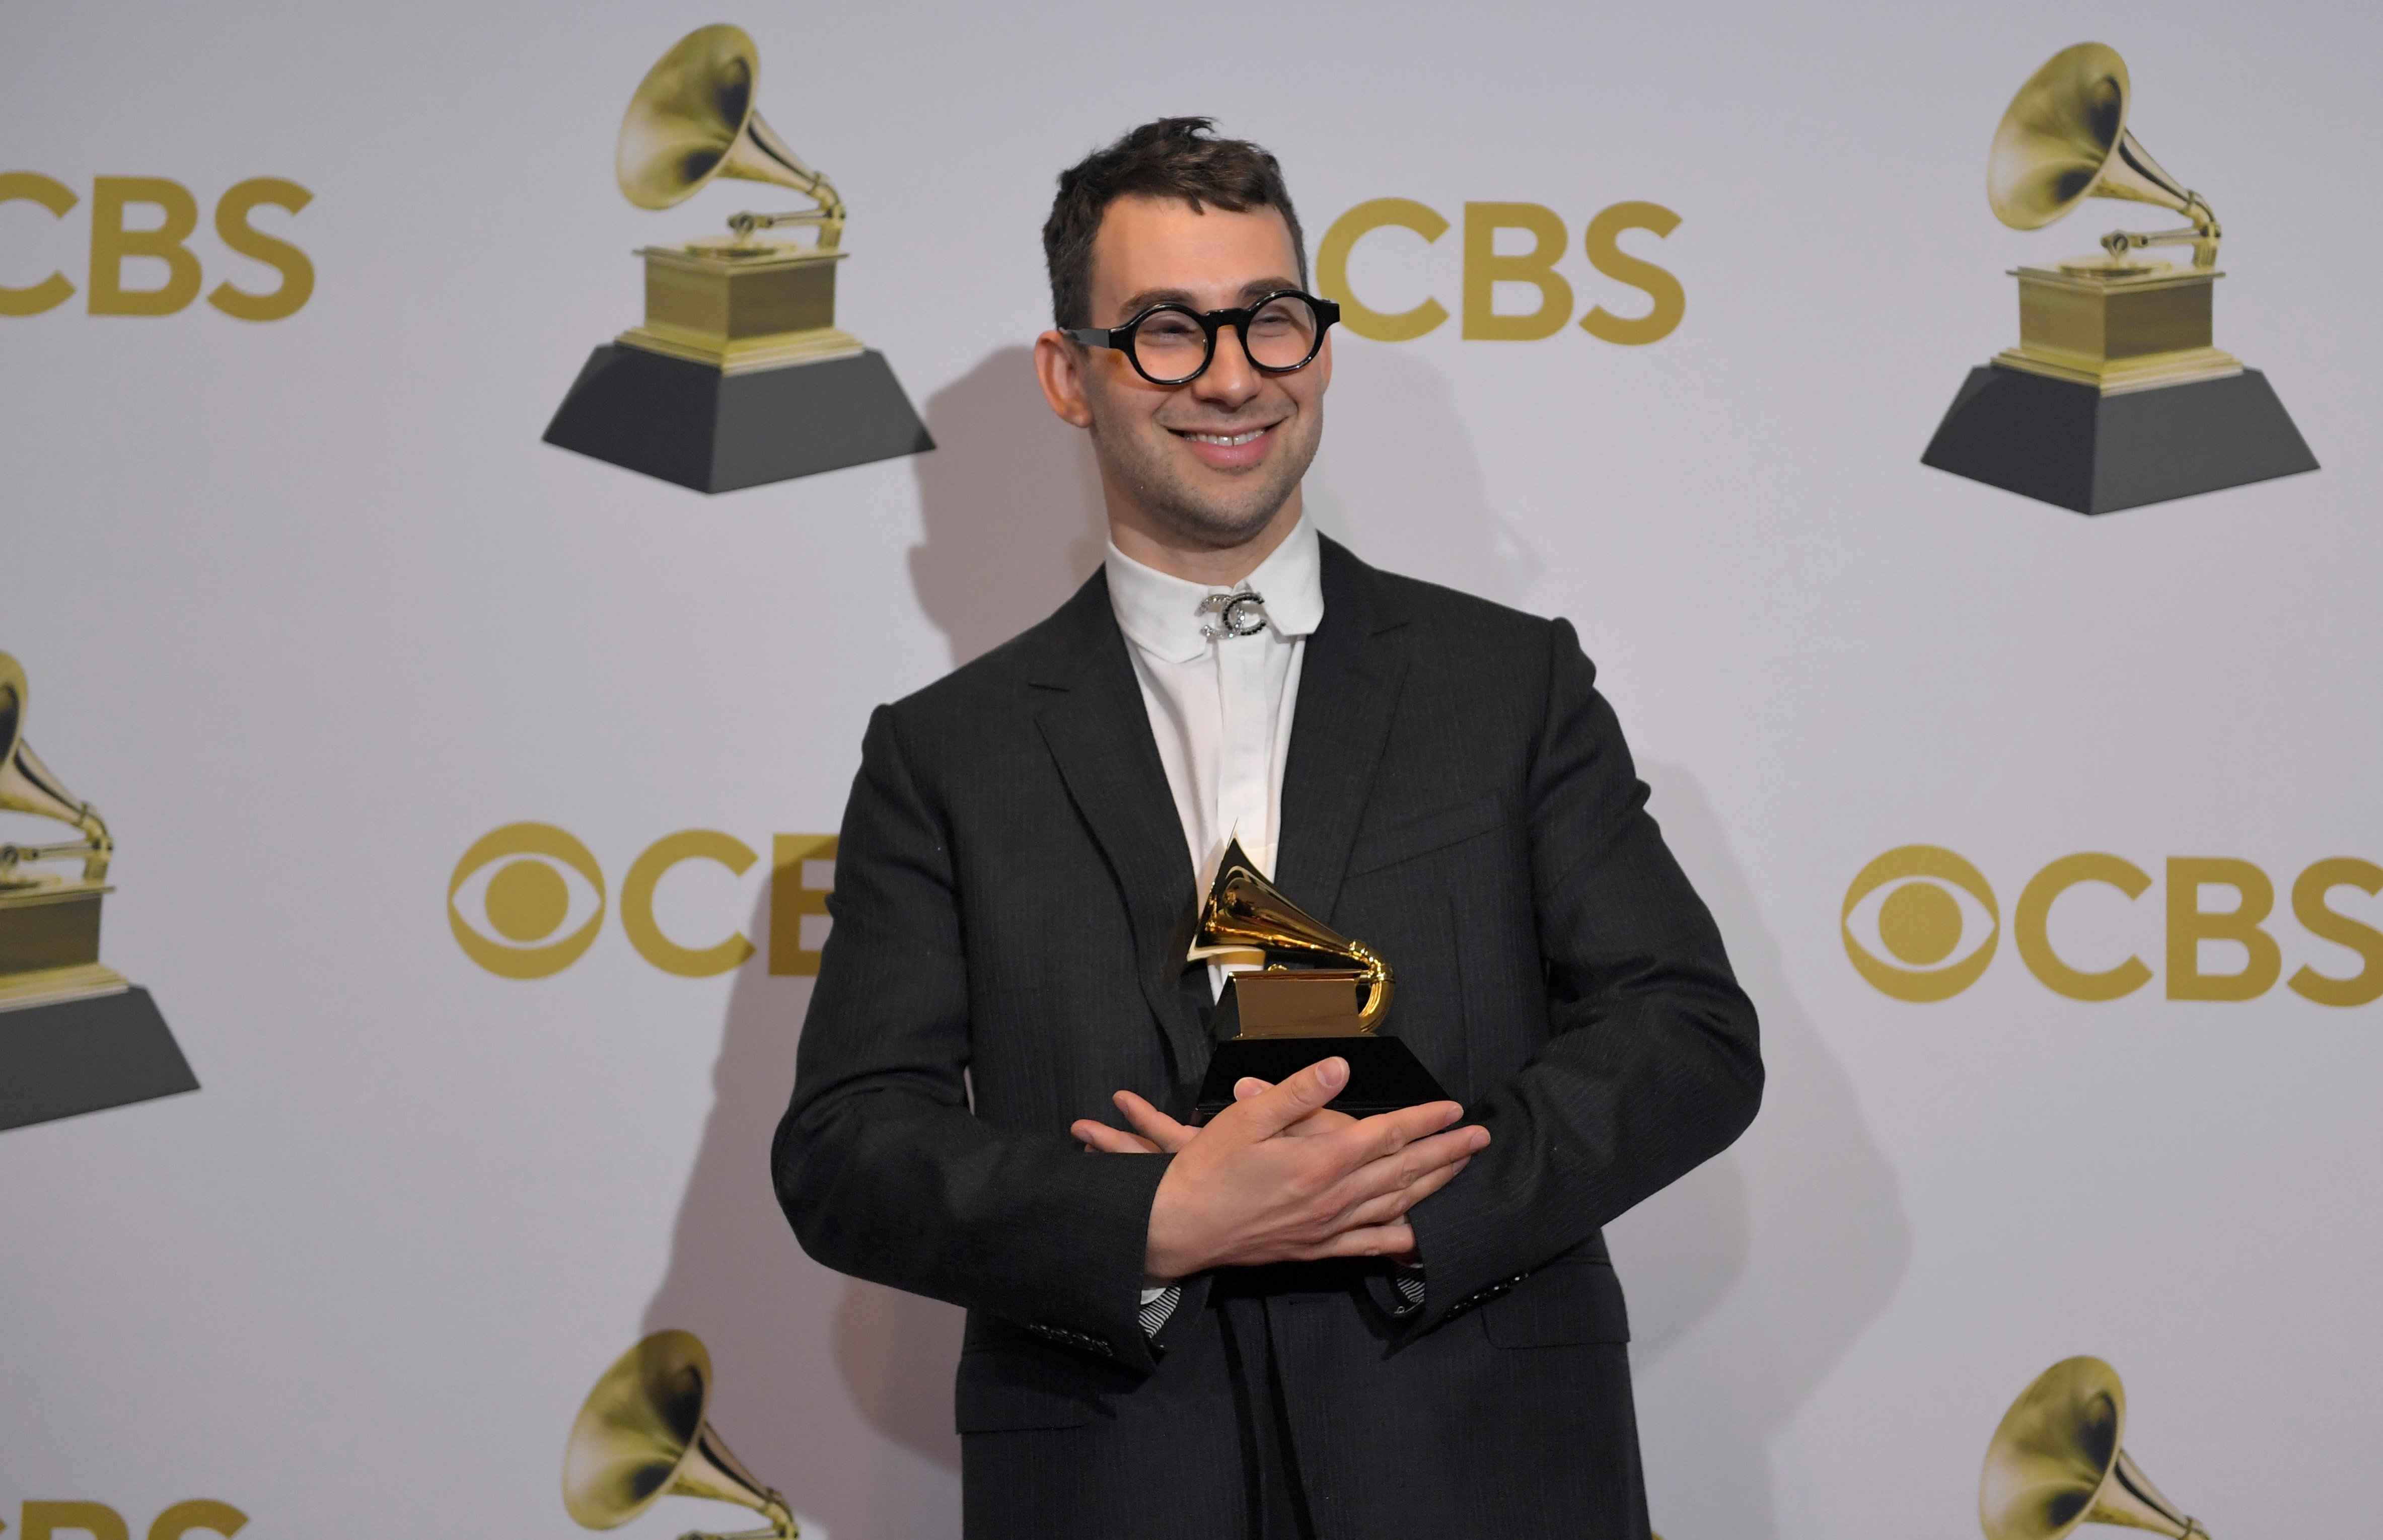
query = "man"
x=1287 y=1323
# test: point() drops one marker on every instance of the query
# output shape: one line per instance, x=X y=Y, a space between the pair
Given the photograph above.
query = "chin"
x=1223 y=527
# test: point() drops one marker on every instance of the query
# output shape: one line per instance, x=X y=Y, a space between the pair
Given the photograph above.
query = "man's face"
x=1213 y=462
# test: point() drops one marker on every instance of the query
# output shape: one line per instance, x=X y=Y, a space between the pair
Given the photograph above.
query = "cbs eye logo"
x=1921 y=923
x=528 y=900
x=539 y=896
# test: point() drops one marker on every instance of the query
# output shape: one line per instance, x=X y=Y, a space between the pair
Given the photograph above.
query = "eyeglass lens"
x=1172 y=345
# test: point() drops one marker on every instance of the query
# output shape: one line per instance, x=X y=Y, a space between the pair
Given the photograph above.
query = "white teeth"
x=1228 y=439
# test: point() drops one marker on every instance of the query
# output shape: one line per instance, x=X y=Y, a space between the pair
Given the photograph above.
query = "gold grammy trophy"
x=739 y=311
x=2058 y=1461
x=49 y=921
x=642 y=1436
x=75 y=1036
x=1276 y=1020
x=2113 y=325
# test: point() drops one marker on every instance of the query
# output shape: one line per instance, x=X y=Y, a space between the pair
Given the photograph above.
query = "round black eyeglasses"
x=1173 y=344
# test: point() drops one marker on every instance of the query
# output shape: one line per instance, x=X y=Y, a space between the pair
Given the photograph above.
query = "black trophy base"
x=2073 y=447
x=83 y=1055
x=1384 y=1074
x=690 y=424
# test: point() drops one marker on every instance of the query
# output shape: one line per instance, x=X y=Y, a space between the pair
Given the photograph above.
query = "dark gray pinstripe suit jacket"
x=1010 y=894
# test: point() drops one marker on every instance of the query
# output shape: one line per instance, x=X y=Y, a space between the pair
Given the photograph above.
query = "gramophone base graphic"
x=691 y=424
x=74 y=1036
x=2070 y=445
x=85 y=1055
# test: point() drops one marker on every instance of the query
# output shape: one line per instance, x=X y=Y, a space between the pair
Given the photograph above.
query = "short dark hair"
x=1173 y=157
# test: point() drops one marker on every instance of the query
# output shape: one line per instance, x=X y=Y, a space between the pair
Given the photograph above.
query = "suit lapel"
x=1348 y=680
x=1091 y=713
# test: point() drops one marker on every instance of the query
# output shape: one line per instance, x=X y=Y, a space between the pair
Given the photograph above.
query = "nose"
x=1231 y=378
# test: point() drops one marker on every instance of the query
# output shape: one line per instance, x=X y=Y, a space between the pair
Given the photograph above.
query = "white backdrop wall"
x=308 y=609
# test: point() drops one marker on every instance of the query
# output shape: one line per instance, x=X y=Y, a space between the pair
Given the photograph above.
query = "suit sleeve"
x=880 y=1165
x=1651 y=1066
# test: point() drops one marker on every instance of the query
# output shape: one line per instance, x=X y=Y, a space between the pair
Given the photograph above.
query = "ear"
x=1059 y=364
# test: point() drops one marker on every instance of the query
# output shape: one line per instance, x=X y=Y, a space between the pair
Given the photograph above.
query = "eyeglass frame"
x=1327 y=315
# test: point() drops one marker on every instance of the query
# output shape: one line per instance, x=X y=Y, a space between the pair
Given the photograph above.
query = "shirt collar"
x=1161 y=612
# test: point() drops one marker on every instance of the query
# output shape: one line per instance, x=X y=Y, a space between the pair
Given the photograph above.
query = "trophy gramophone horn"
x=692 y=120
x=2064 y=139
x=29 y=786
x=642 y=1436
x=1246 y=913
x=2057 y=1461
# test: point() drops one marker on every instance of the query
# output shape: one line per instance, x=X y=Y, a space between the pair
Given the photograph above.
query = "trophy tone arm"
x=2202 y=236
x=96 y=848
x=829 y=220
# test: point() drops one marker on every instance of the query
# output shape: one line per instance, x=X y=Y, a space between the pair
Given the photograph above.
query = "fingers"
x=1111 y=1141
x=1410 y=1163
x=1324 y=1121
x=1396 y=1240
x=1166 y=1135
x=1385 y=1133
x=1390 y=1206
x=1273 y=1110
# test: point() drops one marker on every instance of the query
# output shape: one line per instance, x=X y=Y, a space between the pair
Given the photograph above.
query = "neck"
x=1168 y=551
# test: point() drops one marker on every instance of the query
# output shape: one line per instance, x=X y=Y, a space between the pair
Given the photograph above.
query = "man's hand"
x=1268 y=1179
x=1157 y=1134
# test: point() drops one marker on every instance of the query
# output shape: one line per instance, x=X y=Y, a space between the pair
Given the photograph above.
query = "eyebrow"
x=1254 y=289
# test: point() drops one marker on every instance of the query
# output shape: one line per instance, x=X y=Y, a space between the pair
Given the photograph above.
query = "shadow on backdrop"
x=1749 y=1279
x=1396 y=479
x=1010 y=503
x=835 y=1391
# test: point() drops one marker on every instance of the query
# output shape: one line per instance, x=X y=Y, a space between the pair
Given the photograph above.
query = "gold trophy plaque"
x=2117 y=394
x=1276 y=1020
x=739 y=374
x=75 y=1036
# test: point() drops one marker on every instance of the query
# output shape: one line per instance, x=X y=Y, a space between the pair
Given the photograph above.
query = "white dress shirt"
x=1221 y=708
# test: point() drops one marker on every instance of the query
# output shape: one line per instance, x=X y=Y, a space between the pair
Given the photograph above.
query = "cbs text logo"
x=1922 y=924
x=1484 y=268
x=528 y=901
x=49 y=1521
x=169 y=276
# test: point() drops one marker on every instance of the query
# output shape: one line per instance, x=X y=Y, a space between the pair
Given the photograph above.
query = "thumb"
x=1270 y=1112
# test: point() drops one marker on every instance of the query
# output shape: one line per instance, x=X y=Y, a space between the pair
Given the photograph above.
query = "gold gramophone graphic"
x=2151 y=408
x=740 y=302
x=2058 y=1461
x=74 y=1036
x=1277 y=1019
x=759 y=383
x=642 y=1436
x=49 y=921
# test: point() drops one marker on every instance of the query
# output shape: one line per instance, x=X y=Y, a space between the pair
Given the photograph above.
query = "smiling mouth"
x=1227 y=439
